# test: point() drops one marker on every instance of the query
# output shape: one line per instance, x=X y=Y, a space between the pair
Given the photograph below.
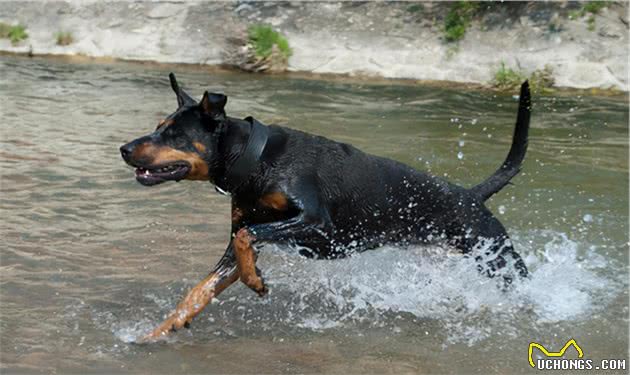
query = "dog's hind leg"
x=492 y=248
x=496 y=256
x=224 y=274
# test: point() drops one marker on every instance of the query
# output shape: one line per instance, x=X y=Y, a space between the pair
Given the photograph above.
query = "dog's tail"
x=512 y=164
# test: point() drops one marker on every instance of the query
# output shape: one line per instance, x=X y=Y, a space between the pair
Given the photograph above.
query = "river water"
x=90 y=259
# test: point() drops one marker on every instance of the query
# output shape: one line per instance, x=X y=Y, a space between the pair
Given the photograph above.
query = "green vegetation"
x=591 y=8
x=415 y=8
x=594 y=6
x=542 y=80
x=458 y=19
x=591 y=23
x=263 y=39
x=64 y=38
x=507 y=79
x=15 y=33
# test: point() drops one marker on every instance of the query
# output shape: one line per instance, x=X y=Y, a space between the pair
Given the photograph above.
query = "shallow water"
x=90 y=259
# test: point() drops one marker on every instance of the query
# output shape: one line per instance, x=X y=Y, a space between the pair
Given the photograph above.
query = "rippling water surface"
x=90 y=259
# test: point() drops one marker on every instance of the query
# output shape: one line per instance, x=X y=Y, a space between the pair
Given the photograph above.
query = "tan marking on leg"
x=277 y=201
x=196 y=299
x=246 y=262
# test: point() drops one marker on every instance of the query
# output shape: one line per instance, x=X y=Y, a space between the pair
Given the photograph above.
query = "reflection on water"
x=90 y=258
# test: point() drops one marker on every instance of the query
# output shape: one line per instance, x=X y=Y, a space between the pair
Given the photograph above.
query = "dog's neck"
x=240 y=149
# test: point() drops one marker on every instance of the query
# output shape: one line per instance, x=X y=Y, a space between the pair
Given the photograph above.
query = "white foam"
x=431 y=283
x=422 y=285
x=130 y=332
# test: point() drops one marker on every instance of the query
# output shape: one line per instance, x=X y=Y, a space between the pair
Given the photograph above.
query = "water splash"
x=420 y=285
x=432 y=283
x=130 y=332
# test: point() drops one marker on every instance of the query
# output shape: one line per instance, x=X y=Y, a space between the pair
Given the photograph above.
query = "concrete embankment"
x=390 y=40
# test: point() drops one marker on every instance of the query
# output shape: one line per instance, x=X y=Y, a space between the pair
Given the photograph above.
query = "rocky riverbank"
x=390 y=40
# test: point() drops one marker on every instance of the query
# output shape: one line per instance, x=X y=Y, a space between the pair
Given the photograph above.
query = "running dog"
x=328 y=198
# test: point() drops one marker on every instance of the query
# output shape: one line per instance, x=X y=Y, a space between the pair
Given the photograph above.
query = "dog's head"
x=183 y=145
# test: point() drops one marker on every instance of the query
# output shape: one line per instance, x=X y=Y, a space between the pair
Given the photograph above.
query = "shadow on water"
x=90 y=259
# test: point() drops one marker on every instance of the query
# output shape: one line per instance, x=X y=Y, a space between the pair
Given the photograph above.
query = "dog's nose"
x=126 y=150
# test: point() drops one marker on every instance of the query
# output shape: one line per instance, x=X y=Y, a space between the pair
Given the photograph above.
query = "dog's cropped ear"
x=182 y=98
x=213 y=104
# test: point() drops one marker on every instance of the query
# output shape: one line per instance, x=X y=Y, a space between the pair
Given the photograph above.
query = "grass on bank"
x=15 y=33
x=263 y=38
x=594 y=6
x=591 y=8
x=458 y=19
x=460 y=15
x=415 y=8
x=64 y=38
x=508 y=79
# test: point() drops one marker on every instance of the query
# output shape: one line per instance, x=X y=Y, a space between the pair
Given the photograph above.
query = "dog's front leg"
x=224 y=275
x=246 y=262
x=239 y=260
x=280 y=231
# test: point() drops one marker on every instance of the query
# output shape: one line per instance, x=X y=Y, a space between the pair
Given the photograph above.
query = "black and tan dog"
x=329 y=198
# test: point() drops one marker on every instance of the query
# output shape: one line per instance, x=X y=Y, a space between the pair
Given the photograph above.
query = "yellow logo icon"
x=560 y=353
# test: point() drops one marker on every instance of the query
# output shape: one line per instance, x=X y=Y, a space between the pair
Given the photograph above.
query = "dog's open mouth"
x=169 y=172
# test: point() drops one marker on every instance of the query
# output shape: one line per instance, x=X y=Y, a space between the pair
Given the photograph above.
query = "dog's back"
x=373 y=201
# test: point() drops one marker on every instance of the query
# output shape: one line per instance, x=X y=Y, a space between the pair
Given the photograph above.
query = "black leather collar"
x=249 y=159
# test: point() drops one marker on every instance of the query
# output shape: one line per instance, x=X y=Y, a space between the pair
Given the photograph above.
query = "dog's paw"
x=263 y=291
x=172 y=324
x=149 y=338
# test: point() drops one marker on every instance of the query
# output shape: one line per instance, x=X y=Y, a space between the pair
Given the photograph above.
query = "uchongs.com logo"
x=555 y=361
